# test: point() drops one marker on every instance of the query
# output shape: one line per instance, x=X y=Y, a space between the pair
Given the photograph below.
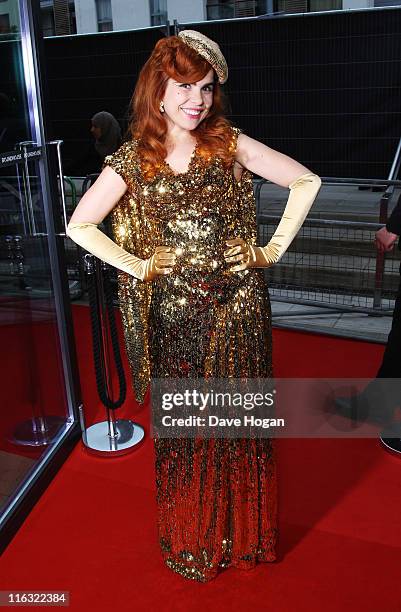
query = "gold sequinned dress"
x=216 y=498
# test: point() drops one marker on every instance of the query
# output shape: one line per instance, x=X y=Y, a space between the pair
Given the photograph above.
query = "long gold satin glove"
x=303 y=192
x=89 y=237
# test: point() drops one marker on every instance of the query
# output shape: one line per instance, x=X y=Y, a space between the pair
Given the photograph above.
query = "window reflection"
x=104 y=15
x=158 y=12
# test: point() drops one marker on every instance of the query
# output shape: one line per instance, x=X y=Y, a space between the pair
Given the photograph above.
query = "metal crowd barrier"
x=22 y=264
x=333 y=262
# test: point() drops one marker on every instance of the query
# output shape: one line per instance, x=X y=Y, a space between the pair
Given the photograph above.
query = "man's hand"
x=384 y=240
x=248 y=256
x=161 y=262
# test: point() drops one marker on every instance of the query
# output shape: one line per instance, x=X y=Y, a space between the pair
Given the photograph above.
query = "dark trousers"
x=382 y=395
x=391 y=364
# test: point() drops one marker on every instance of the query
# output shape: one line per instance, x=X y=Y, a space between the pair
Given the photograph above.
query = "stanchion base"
x=97 y=440
x=37 y=431
x=390 y=437
x=392 y=444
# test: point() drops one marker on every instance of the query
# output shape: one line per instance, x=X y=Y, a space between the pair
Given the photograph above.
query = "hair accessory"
x=209 y=50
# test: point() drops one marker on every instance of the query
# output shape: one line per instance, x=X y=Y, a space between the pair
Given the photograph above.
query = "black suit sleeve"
x=393 y=224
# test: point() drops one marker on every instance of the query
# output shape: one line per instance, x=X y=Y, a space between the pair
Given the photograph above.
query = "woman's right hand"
x=161 y=262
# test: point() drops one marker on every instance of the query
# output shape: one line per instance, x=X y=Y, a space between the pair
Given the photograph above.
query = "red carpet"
x=93 y=532
x=29 y=333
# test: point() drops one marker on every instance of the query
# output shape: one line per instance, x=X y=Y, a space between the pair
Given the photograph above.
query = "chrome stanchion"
x=40 y=429
x=111 y=437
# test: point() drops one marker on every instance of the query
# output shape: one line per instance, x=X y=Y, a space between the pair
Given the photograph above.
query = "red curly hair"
x=173 y=58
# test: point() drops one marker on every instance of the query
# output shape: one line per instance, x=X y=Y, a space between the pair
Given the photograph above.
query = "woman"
x=107 y=134
x=192 y=293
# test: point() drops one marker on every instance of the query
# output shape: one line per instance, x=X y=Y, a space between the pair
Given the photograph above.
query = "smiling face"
x=187 y=104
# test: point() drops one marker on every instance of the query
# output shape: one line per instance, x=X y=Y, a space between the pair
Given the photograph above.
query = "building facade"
x=62 y=17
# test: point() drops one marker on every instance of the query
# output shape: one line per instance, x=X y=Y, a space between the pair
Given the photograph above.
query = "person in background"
x=107 y=133
x=378 y=401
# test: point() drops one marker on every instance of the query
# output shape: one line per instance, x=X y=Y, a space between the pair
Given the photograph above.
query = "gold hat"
x=209 y=50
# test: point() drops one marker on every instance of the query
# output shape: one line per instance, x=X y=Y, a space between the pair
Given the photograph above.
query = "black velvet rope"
x=97 y=344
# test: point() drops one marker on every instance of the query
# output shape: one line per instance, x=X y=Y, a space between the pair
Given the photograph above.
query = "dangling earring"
x=161 y=106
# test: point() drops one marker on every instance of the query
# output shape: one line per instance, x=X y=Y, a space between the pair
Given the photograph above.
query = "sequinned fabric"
x=216 y=498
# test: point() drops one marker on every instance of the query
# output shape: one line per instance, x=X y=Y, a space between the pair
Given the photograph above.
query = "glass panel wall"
x=36 y=405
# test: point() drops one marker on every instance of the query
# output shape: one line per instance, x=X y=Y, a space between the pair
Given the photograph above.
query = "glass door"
x=38 y=365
